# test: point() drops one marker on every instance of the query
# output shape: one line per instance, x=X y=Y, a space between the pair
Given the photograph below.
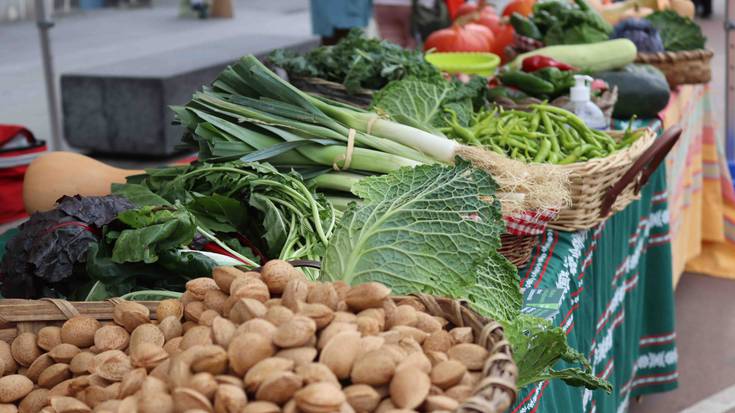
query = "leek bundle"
x=251 y=114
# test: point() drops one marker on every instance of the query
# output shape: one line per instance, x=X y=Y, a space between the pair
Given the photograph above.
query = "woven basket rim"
x=660 y=57
x=495 y=392
x=629 y=154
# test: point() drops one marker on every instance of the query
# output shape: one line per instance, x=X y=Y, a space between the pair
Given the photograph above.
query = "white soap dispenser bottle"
x=581 y=105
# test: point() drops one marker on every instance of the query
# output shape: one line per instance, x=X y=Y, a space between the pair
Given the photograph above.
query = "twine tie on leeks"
x=347 y=156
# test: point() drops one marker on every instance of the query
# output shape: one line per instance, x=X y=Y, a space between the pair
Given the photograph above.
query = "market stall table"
x=616 y=304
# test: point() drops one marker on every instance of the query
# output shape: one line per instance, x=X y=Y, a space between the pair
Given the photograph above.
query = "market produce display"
x=641 y=32
x=545 y=134
x=253 y=342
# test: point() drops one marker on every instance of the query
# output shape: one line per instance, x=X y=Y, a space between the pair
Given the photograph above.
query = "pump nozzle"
x=580 y=92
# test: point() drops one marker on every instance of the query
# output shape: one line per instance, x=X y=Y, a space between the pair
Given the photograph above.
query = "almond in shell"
x=362 y=398
x=64 y=404
x=229 y=399
x=130 y=315
x=196 y=336
x=320 y=397
x=132 y=382
x=111 y=337
x=320 y=313
x=261 y=370
x=368 y=295
x=447 y=373
x=81 y=363
x=112 y=365
x=189 y=399
x=462 y=334
x=169 y=308
x=440 y=403
x=374 y=368
x=278 y=314
x=54 y=375
x=203 y=383
x=153 y=403
x=14 y=387
x=473 y=356
x=249 y=287
x=171 y=328
x=315 y=373
x=224 y=276
x=323 y=293
x=261 y=407
x=24 y=349
x=299 y=355
x=6 y=359
x=257 y=326
x=49 y=337
x=296 y=291
x=38 y=366
x=146 y=333
x=409 y=387
x=34 y=401
x=246 y=309
x=198 y=287
x=245 y=350
x=341 y=352
x=222 y=331
x=276 y=274
x=295 y=332
x=279 y=387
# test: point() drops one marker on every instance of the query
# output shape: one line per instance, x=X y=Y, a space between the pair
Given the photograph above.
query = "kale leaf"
x=358 y=62
x=678 y=33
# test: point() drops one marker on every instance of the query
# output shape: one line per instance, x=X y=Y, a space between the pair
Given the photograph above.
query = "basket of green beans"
x=604 y=167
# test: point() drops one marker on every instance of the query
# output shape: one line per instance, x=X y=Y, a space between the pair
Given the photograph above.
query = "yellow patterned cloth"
x=700 y=191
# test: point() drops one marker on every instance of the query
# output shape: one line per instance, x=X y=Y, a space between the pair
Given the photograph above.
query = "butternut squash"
x=54 y=174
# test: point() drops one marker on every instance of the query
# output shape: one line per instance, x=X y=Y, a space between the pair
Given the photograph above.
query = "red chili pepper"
x=537 y=62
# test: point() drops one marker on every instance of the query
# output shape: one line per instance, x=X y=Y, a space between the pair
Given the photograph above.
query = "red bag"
x=18 y=147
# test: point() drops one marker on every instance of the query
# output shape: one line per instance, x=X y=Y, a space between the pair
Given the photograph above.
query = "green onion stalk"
x=251 y=114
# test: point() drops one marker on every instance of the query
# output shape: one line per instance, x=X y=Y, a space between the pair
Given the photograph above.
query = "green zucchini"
x=590 y=57
x=642 y=91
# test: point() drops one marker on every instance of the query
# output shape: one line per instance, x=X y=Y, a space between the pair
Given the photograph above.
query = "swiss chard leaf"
x=422 y=229
x=153 y=230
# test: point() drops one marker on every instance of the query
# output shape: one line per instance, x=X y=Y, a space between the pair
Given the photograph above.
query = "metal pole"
x=729 y=78
x=44 y=23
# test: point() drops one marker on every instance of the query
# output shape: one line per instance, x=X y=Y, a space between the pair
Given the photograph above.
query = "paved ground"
x=109 y=35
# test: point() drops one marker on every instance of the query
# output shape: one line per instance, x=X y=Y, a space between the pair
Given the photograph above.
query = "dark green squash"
x=642 y=90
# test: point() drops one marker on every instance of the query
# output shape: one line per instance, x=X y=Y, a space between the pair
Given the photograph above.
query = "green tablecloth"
x=617 y=305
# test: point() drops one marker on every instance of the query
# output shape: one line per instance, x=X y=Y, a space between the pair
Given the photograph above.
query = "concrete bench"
x=122 y=108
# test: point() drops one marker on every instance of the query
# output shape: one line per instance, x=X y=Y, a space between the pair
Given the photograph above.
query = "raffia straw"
x=521 y=186
x=347 y=156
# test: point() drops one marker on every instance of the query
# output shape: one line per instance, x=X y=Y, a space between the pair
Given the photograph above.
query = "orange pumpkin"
x=522 y=7
x=461 y=38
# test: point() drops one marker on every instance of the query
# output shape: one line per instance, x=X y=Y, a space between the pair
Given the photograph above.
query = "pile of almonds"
x=248 y=342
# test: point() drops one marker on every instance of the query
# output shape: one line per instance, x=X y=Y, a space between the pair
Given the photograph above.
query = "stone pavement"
x=110 y=35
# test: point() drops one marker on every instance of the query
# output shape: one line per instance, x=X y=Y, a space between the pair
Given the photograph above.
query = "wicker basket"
x=603 y=186
x=517 y=248
x=494 y=393
x=333 y=90
x=680 y=68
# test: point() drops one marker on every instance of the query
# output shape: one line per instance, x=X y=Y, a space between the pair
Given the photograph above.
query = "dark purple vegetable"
x=641 y=32
x=40 y=261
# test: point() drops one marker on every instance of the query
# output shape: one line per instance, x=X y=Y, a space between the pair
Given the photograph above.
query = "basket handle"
x=646 y=165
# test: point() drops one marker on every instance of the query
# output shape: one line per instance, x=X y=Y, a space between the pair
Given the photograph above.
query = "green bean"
x=543 y=151
x=572 y=157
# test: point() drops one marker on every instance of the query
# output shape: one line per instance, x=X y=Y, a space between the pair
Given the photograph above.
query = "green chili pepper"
x=543 y=151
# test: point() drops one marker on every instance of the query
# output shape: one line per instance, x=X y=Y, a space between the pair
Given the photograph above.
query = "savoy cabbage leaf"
x=677 y=33
x=422 y=229
x=496 y=293
x=537 y=346
x=424 y=105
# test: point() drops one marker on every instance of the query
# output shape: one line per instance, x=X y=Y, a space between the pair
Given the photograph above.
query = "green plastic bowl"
x=471 y=63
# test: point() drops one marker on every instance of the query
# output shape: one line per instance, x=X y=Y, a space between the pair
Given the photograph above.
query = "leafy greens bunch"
x=435 y=229
x=358 y=62
x=274 y=213
x=678 y=33
x=560 y=22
